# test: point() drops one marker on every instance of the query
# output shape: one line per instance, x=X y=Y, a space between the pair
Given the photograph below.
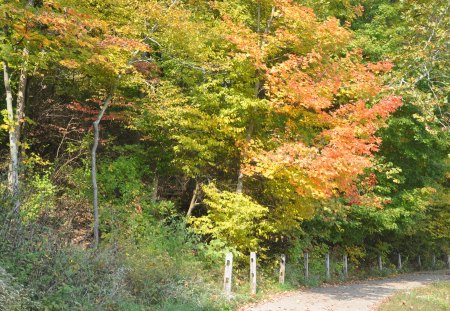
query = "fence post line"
x=327 y=265
x=282 y=268
x=345 y=258
x=448 y=260
x=306 y=265
x=434 y=261
x=253 y=273
x=399 y=264
x=380 y=263
x=419 y=262
x=228 y=273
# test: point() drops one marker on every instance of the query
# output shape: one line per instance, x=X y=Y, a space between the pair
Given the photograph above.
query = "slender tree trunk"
x=240 y=182
x=21 y=95
x=94 y=167
x=13 y=174
x=194 y=199
x=15 y=126
x=94 y=158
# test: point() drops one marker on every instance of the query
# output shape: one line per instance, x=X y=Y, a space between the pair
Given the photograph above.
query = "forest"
x=143 y=140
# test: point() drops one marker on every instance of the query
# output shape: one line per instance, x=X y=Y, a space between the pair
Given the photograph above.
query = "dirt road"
x=365 y=295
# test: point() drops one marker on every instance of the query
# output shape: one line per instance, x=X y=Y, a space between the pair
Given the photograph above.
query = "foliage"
x=13 y=296
x=318 y=91
x=41 y=197
x=284 y=126
x=234 y=219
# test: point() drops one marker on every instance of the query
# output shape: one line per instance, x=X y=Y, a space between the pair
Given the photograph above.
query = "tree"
x=412 y=35
x=118 y=48
x=31 y=38
x=189 y=118
x=327 y=105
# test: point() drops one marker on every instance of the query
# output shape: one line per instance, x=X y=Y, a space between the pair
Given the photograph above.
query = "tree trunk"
x=21 y=95
x=13 y=173
x=94 y=157
x=94 y=167
x=240 y=183
x=194 y=199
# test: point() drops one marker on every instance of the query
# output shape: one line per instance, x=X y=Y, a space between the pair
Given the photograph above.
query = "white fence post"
x=228 y=273
x=399 y=264
x=253 y=273
x=448 y=260
x=282 y=268
x=380 y=263
x=327 y=265
x=434 y=261
x=345 y=259
x=345 y=265
x=306 y=265
x=419 y=262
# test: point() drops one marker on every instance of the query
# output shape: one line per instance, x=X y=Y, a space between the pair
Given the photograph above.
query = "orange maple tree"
x=330 y=102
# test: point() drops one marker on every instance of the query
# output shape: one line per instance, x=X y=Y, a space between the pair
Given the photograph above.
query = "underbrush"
x=150 y=261
x=38 y=271
x=13 y=297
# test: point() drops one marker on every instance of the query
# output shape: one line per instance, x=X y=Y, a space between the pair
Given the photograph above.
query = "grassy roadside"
x=433 y=297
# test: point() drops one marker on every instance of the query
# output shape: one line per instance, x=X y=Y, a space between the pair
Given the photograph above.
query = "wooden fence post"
x=253 y=273
x=448 y=260
x=345 y=265
x=380 y=263
x=419 y=262
x=399 y=264
x=327 y=265
x=434 y=261
x=282 y=269
x=228 y=273
x=306 y=265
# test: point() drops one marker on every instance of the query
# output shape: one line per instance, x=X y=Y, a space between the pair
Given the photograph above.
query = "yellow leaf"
x=69 y=63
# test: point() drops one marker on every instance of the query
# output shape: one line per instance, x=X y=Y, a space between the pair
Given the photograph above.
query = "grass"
x=433 y=297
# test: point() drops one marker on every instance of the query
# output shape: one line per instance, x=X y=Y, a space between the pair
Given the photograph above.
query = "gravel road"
x=365 y=295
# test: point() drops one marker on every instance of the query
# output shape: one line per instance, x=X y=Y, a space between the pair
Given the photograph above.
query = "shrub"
x=13 y=297
x=235 y=219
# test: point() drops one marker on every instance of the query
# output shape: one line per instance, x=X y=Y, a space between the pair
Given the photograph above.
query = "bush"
x=235 y=219
x=13 y=297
